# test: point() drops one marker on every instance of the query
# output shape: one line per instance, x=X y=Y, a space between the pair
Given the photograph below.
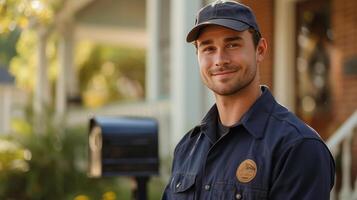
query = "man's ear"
x=261 y=50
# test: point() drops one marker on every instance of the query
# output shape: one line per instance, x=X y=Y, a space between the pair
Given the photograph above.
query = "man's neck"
x=232 y=108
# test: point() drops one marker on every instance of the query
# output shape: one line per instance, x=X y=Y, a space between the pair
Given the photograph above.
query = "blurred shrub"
x=51 y=165
x=110 y=73
x=24 y=65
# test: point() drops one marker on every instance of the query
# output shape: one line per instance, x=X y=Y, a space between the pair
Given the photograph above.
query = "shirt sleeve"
x=305 y=170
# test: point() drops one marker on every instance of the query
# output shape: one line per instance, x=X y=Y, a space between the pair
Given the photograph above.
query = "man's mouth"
x=223 y=72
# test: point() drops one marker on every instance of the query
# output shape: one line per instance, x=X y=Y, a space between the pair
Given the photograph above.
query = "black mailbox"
x=123 y=146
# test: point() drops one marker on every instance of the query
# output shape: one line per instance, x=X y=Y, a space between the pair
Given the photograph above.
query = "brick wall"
x=344 y=29
x=263 y=10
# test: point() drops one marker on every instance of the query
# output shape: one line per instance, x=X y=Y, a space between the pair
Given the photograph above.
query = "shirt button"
x=238 y=196
x=207 y=187
x=178 y=185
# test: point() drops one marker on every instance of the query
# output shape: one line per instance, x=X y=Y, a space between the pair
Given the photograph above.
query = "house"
x=310 y=67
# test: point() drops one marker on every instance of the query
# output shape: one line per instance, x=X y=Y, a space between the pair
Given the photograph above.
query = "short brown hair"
x=255 y=36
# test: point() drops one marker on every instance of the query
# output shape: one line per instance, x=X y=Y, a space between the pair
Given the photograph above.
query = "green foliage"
x=22 y=13
x=11 y=156
x=53 y=168
x=24 y=65
x=7 y=44
x=53 y=164
x=20 y=22
x=112 y=73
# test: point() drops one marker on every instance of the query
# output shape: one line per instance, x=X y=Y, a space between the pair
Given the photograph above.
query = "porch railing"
x=340 y=143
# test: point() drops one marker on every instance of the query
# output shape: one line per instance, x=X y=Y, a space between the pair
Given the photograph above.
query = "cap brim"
x=228 y=23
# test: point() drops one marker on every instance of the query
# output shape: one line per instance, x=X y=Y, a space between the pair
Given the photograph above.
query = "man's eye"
x=232 y=45
x=208 y=49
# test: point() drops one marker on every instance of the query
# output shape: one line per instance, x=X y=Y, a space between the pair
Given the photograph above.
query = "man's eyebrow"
x=234 y=38
x=205 y=42
x=228 y=39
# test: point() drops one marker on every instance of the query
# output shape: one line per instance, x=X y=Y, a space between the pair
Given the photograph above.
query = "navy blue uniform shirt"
x=269 y=154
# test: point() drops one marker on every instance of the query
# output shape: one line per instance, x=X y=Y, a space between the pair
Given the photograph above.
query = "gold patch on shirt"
x=246 y=171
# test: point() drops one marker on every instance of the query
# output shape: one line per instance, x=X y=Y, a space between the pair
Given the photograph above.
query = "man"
x=248 y=146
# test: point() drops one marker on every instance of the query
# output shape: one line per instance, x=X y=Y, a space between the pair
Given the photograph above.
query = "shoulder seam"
x=295 y=127
x=184 y=140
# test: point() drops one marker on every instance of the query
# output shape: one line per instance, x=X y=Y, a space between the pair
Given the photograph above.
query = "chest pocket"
x=230 y=191
x=183 y=186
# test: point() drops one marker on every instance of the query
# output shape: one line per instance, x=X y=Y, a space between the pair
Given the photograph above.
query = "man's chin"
x=226 y=92
x=229 y=91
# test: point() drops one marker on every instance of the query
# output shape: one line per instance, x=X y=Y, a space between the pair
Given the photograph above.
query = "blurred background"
x=63 y=61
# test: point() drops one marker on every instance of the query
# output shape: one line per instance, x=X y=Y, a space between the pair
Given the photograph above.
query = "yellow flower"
x=109 y=196
x=81 y=197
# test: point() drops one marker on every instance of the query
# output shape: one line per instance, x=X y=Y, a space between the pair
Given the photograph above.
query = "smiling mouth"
x=222 y=73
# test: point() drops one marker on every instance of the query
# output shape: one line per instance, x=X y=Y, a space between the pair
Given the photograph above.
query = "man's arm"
x=305 y=170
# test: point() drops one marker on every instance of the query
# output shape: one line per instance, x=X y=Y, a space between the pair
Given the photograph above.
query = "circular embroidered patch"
x=246 y=171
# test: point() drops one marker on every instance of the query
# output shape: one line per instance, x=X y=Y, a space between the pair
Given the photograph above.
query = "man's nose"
x=222 y=58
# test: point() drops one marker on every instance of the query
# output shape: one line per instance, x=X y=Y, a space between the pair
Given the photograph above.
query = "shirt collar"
x=254 y=120
x=208 y=124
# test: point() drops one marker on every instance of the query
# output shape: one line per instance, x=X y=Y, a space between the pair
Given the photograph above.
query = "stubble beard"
x=244 y=81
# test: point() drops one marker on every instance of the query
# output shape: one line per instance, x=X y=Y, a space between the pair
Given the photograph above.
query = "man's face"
x=227 y=59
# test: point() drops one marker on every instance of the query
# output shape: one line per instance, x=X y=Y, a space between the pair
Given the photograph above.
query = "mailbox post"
x=124 y=146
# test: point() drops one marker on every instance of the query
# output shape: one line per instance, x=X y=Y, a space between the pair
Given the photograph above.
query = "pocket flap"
x=182 y=182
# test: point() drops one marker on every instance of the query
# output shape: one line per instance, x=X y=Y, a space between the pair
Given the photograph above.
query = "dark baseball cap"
x=229 y=14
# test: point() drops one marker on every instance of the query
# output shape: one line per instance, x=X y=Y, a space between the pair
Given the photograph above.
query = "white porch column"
x=186 y=88
x=61 y=96
x=153 y=72
x=284 y=45
x=5 y=108
x=41 y=93
x=72 y=84
x=67 y=84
